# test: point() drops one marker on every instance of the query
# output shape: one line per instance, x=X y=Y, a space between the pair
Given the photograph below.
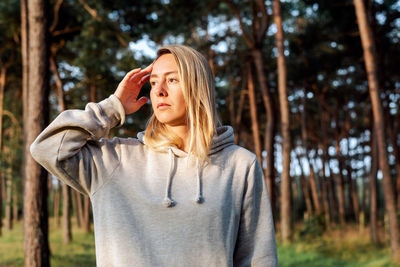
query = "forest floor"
x=334 y=248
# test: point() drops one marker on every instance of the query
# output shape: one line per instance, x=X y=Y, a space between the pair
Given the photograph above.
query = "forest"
x=311 y=87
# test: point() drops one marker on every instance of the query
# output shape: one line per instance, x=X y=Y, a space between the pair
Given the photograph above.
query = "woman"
x=182 y=193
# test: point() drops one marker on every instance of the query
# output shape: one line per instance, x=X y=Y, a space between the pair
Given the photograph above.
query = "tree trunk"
x=75 y=207
x=340 y=184
x=57 y=204
x=253 y=113
x=1 y=205
x=261 y=24
x=66 y=219
x=3 y=76
x=286 y=224
x=59 y=84
x=324 y=194
x=373 y=191
x=36 y=247
x=86 y=223
x=332 y=197
x=396 y=152
x=324 y=118
x=370 y=64
x=304 y=137
x=15 y=203
x=314 y=188
x=9 y=192
x=269 y=128
x=2 y=86
x=353 y=194
x=304 y=186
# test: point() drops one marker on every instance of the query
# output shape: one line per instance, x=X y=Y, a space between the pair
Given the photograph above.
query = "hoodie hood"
x=224 y=137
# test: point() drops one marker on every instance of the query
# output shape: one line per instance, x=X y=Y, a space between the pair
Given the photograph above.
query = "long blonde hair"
x=197 y=82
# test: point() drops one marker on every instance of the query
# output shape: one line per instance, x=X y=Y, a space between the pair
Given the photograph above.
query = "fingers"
x=138 y=104
x=148 y=68
x=143 y=100
x=144 y=79
x=131 y=73
x=138 y=75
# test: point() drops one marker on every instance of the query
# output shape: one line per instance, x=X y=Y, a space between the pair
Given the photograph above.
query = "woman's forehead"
x=164 y=64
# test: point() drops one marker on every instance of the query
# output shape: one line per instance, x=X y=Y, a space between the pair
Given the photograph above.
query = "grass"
x=340 y=247
x=80 y=252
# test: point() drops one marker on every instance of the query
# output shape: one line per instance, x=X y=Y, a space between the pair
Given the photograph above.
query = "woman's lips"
x=162 y=106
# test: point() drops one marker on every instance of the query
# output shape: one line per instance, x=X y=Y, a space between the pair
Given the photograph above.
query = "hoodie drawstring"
x=168 y=202
x=199 y=197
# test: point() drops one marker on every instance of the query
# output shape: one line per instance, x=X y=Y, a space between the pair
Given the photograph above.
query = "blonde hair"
x=197 y=82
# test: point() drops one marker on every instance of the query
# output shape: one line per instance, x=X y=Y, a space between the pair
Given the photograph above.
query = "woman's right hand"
x=129 y=88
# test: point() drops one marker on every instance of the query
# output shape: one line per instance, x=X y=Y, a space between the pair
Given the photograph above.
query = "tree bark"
x=373 y=191
x=253 y=113
x=66 y=219
x=304 y=186
x=286 y=219
x=75 y=207
x=340 y=182
x=57 y=204
x=15 y=203
x=3 y=75
x=59 y=83
x=322 y=145
x=36 y=247
x=340 y=188
x=86 y=218
x=370 y=64
x=269 y=128
x=9 y=192
x=324 y=194
x=1 y=204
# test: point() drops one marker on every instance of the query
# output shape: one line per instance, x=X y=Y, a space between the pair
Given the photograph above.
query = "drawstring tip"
x=168 y=202
x=199 y=199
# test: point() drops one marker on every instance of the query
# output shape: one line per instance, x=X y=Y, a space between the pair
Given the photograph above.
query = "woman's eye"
x=172 y=80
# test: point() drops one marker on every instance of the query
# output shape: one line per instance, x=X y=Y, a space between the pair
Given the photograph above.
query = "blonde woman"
x=181 y=193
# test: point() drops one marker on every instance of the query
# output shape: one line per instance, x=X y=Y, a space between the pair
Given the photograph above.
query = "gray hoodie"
x=161 y=209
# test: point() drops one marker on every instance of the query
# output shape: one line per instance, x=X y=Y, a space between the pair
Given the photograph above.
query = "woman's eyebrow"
x=165 y=73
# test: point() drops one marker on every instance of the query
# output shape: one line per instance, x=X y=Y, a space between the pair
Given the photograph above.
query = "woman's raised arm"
x=72 y=147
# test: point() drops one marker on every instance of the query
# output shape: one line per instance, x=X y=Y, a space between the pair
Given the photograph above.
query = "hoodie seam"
x=71 y=179
x=111 y=176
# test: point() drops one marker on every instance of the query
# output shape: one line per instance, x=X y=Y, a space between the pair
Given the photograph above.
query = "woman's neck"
x=183 y=132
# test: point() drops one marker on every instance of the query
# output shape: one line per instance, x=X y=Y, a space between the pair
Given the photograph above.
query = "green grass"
x=340 y=247
x=335 y=248
x=80 y=252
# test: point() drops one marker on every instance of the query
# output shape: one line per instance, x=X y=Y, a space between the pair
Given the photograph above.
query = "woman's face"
x=166 y=92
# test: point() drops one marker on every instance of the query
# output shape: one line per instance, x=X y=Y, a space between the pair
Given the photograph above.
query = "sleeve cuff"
x=113 y=110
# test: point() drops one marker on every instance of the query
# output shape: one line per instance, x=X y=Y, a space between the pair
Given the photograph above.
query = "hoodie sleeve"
x=255 y=244
x=72 y=147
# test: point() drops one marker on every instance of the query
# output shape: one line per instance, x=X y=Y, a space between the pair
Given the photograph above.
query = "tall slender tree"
x=36 y=247
x=253 y=112
x=373 y=191
x=286 y=220
x=372 y=75
x=254 y=41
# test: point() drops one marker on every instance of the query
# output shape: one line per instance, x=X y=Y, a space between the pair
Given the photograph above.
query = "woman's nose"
x=160 y=90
